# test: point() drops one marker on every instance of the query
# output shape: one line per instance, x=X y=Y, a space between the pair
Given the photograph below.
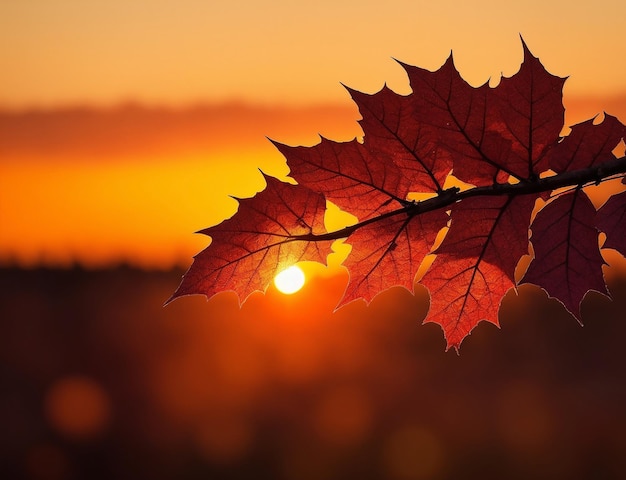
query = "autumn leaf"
x=587 y=144
x=475 y=264
x=490 y=133
x=389 y=253
x=350 y=175
x=257 y=242
x=393 y=136
x=612 y=221
x=567 y=261
x=481 y=156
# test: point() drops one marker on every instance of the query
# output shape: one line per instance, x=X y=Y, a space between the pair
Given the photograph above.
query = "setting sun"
x=308 y=340
x=290 y=280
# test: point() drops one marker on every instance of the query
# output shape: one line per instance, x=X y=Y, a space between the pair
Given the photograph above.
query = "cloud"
x=89 y=134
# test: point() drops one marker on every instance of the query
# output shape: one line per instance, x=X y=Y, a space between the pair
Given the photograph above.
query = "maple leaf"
x=567 y=260
x=257 y=242
x=389 y=253
x=612 y=221
x=475 y=264
x=393 y=135
x=349 y=175
x=490 y=133
x=587 y=144
x=503 y=142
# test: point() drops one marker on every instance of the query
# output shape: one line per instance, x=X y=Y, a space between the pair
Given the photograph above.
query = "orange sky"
x=125 y=125
x=133 y=184
x=282 y=51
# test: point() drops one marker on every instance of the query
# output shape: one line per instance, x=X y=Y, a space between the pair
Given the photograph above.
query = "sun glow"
x=290 y=280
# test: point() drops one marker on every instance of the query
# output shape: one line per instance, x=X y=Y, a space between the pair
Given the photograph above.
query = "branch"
x=452 y=195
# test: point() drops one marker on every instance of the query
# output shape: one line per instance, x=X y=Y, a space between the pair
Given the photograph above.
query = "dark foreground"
x=99 y=381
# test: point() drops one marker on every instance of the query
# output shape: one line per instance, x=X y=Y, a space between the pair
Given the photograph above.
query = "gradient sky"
x=140 y=166
x=161 y=51
x=126 y=125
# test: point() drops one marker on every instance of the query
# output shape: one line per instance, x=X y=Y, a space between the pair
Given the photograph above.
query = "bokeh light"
x=78 y=407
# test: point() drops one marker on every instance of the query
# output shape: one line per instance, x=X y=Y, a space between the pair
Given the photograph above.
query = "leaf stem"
x=452 y=195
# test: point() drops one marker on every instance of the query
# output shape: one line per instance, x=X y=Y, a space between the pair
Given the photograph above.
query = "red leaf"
x=612 y=221
x=530 y=107
x=586 y=145
x=393 y=133
x=248 y=249
x=567 y=260
x=490 y=133
x=349 y=175
x=502 y=141
x=475 y=264
x=389 y=252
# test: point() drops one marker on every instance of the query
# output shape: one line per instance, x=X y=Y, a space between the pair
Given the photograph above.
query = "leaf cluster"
x=498 y=173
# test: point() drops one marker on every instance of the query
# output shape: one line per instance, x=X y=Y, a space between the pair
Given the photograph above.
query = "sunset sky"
x=281 y=51
x=125 y=125
x=128 y=125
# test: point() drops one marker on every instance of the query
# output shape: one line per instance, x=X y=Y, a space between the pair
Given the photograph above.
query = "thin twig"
x=575 y=178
